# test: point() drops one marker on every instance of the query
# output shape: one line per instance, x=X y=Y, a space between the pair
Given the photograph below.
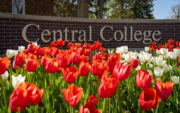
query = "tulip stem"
x=5 y=100
x=109 y=104
x=156 y=111
x=105 y=104
x=139 y=109
x=36 y=108
x=19 y=110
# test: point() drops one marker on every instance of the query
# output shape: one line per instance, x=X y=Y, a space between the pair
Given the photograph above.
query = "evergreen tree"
x=130 y=9
x=142 y=9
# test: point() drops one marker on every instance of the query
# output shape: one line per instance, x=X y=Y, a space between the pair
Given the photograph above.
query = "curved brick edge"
x=71 y=19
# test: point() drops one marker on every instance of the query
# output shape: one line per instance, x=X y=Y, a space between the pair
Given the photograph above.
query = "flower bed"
x=86 y=79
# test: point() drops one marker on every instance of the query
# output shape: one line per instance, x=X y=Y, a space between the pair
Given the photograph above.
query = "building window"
x=18 y=6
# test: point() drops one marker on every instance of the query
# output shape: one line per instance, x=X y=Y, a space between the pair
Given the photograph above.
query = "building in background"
x=32 y=7
x=18 y=6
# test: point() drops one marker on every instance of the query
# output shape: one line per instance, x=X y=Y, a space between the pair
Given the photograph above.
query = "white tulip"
x=167 y=68
x=165 y=56
x=163 y=51
x=127 y=58
x=138 y=67
x=133 y=54
x=161 y=62
x=150 y=72
x=170 y=67
x=150 y=65
x=122 y=49
x=177 y=52
x=15 y=52
x=175 y=79
x=145 y=57
x=35 y=43
x=146 y=49
x=21 y=48
x=10 y=53
x=158 y=71
x=172 y=55
x=158 y=52
x=5 y=75
x=17 y=80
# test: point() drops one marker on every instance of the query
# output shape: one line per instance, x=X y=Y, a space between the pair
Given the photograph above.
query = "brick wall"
x=11 y=30
x=6 y=6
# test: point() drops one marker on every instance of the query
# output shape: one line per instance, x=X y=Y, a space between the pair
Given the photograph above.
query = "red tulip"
x=44 y=60
x=98 y=67
x=60 y=42
x=148 y=98
x=84 y=69
x=32 y=56
x=171 y=42
x=92 y=48
x=31 y=48
x=70 y=45
x=163 y=89
x=4 y=64
x=31 y=64
x=63 y=60
x=73 y=94
x=102 y=49
x=97 y=44
x=25 y=51
x=105 y=56
x=81 y=51
x=20 y=59
x=34 y=94
x=143 y=79
x=54 y=51
x=87 y=52
x=24 y=95
x=108 y=86
x=177 y=44
x=70 y=74
x=51 y=66
x=77 y=45
x=90 y=105
x=37 y=51
x=134 y=62
x=122 y=71
x=179 y=60
x=112 y=61
x=53 y=44
x=153 y=43
x=45 y=51
x=96 y=57
x=84 y=58
x=76 y=58
x=86 y=45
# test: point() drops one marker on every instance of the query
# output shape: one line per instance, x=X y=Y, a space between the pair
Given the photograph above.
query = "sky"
x=162 y=8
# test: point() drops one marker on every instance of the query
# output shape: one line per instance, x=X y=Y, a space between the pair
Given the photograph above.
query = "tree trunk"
x=101 y=9
x=83 y=8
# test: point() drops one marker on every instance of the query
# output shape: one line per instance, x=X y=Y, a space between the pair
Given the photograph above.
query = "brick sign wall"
x=16 y=30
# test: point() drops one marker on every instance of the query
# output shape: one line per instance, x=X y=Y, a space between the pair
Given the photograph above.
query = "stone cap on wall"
x=73 y=19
